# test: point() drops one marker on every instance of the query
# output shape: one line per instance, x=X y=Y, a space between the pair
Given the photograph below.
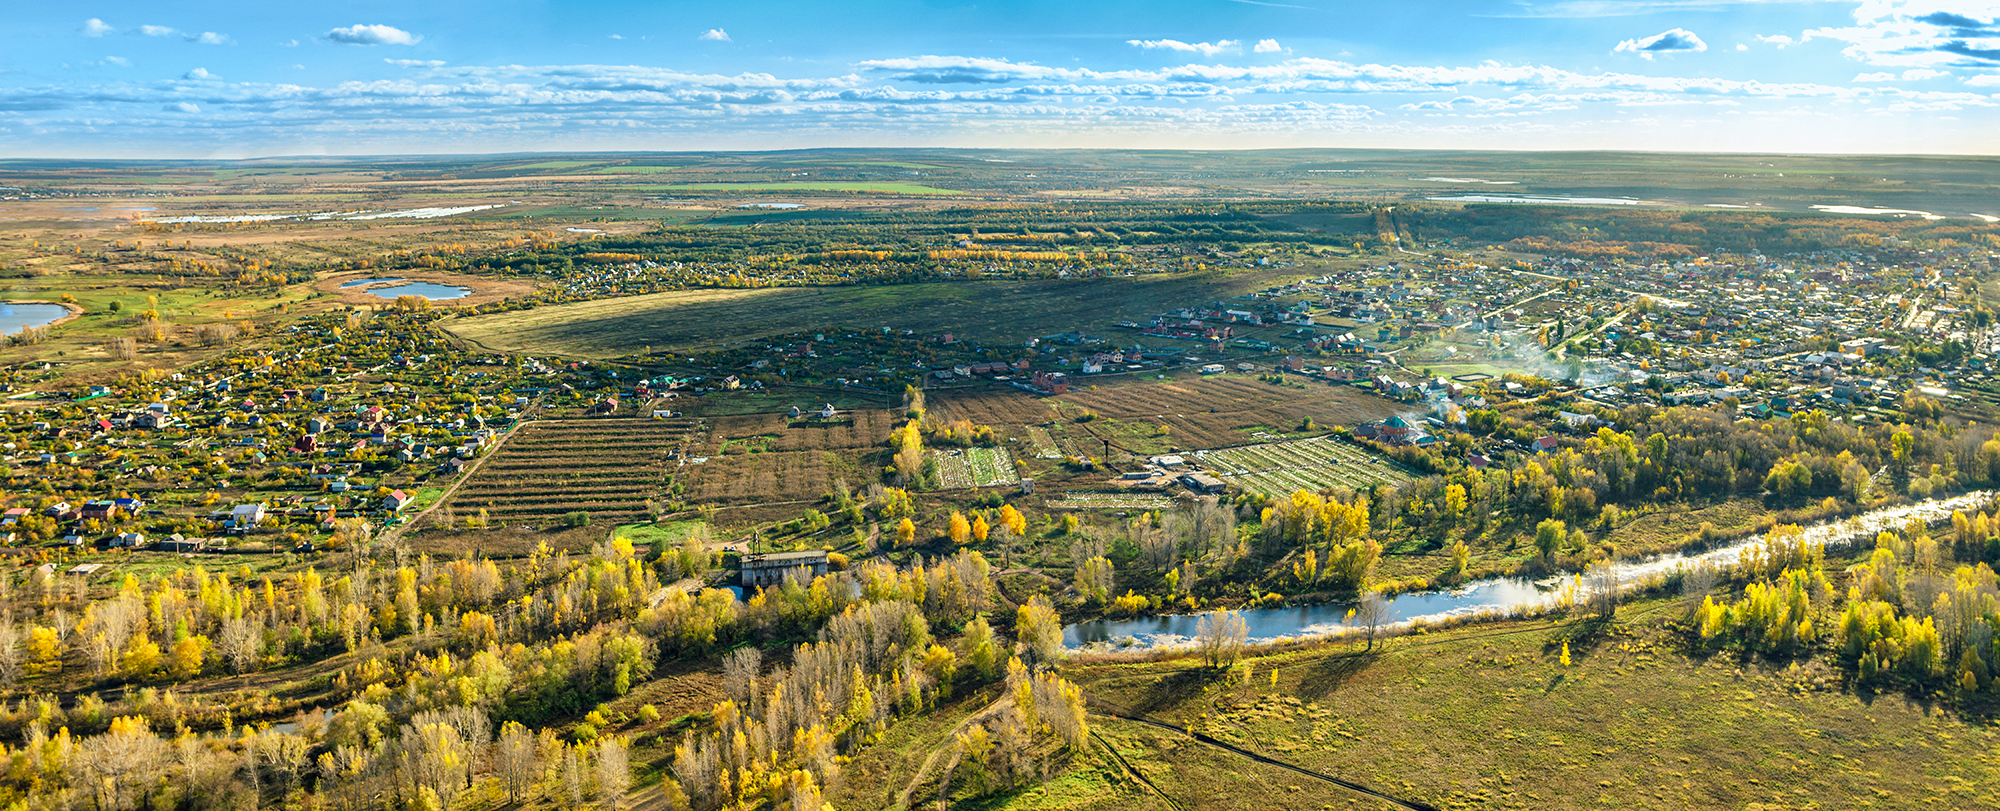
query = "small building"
x=396 y=501
x=245 y=516
x=182 y=545
x=1203 y=483
x=13 y=516
x=772 y=568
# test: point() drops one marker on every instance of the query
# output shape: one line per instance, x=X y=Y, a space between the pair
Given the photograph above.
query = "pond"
x=15 y=316
x=1494 y=596
x=392 y=288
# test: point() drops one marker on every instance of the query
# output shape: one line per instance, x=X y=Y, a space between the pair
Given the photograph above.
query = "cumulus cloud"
x=1268 y=46
x=157 y=31
x=181 y=107
x=198 y=73
x=416 y=63
x=373 y=35
x=1209 y=49
x=1920 y=33
x=1984 y=80
x=1676 y=40
x=114 y=60
x=94 y=27
x=1780 y=40
x=1876 y=77
x=209 y=38
x=715 y=35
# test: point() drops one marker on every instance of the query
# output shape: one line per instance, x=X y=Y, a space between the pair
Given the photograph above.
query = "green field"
x=861 y=186
x=984 y=311
x=556 y=165
x=631 y=170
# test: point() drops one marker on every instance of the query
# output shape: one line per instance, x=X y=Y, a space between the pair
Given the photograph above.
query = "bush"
x=576 y=518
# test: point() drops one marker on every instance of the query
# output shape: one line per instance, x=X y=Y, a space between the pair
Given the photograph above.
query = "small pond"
x=15 y=316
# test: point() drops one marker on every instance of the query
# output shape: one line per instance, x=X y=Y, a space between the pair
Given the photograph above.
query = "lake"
x=392 y=288
x=1493 y=596
x=14 y=316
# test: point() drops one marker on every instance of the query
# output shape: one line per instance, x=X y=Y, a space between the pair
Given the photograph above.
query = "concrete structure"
x=771 y=569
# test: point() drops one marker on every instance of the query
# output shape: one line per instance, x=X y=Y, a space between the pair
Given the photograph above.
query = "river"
x=1499 y=595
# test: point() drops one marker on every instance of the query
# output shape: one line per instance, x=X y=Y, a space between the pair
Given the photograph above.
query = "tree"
x=45 y=648
x=739 y=673
x=1013 y=520
x=1039 y=629
x=187 y=656
x=1371 y=614
x=614 y=772
x=1094 y=579
x=514 y=760
x=1221 y=636
x=1549 y=537
x=1602 y=585
x=960 y=530
x=980 y=652
x=906 y=532
x=242 y=643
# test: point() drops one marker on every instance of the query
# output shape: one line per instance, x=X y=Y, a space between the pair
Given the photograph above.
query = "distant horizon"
x=117 y=79
x=774 y=150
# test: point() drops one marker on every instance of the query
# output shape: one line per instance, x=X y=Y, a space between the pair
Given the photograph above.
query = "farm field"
x=1278 y=469
x=994 y=311
x=975 y=467
x=774 y=432
x=879 y=188
x=770 y=477
x=998 y=405
x=1221 y=412
x=608 y=467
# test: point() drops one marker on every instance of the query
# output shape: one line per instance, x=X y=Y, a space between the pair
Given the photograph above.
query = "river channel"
x=1500 y=595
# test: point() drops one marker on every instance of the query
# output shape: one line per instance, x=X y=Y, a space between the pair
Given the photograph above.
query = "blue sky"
x=240 y=79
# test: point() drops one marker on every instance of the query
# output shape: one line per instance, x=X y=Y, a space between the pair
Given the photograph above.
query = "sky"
x=239 y=79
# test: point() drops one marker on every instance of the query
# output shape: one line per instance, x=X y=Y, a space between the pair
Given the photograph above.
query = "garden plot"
x=1112 y=501
x=1044 y=443
x=975 y=467
x=1280 y=468
x=609 y=467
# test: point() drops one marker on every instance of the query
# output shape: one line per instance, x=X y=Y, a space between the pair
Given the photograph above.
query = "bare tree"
x=12 y=659
x=1221 y=636
x=576 y=778
x=739 y=673
x=614 y=772
x=1371 y=614
x=242 y=643
x=514 y=760
x=1697 y=580
x=1602 y=584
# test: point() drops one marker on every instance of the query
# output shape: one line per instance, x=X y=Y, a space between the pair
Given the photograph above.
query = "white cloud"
x=157 y=31
x=617 y=36
x=209 y=38
x=1984 y=80
x=373 y=35
x=1920 y=33
x=1742 y=47
x=94 y=27
x=289 y=44
x=1268 y=46
x=715 y=35
x=1676 y=40
x=416 y=63
x=198 y=73
x=181 y=107
x=1208 y=49
x=1780 y=40
x=1911 y=75
x=117 y=60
